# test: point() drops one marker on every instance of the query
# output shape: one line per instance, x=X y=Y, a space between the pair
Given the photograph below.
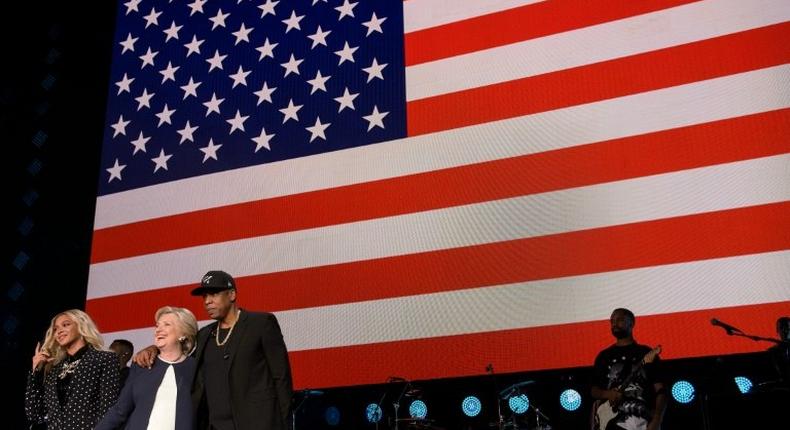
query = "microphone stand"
x=293 y=412
x=733 y=331
x=396 y=405
x=378 y=410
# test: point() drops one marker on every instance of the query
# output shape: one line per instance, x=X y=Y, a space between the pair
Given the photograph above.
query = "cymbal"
x=509 y=390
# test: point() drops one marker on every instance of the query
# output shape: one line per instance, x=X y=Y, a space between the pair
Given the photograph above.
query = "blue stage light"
x=373 y=413
x=471 y=406
x=332 y=416
x=683 y=391
x=744 y=384
x=418 y=409
x=519 y=404
x=570 y=399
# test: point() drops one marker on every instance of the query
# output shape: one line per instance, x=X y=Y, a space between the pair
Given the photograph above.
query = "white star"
x=123 y=84
x=240 y=77
x=318 y=83
x=237 y=122
x=374 y=24
x=144 y=99
x=139 y=143
x=160 y=162
x=131 y=5
x=346 y=9
x=120 y=126
x=292 y=22
x=115 y=171
x=190 y=89
x=290 y=112
x=292 y=66
x=210 y=151
x=376 y=118
x=193 y=47
x=164 y=116
x=172 y=32
x=346 y=100
x=186 y=133
x=169 y=72
x=148 y=58
x=267 y=50
x=268 y=8
x=218 y=19
x=316 y=1
x=374 y=71
x=128 y=44
x=197 y=6
x=265 y=93
x=347 y=53
x=317 y=130
x=262 y=141
x=319 y=37
x=213 y=104
x=152 y=18
x=243 y=33
x=215 y=62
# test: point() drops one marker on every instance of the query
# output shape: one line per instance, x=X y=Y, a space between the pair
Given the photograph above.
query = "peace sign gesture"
x=40 y=357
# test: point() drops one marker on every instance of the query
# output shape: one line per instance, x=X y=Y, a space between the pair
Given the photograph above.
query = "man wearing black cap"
x=243 y=379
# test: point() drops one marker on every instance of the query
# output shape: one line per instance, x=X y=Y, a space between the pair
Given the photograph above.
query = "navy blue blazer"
x=133 y=408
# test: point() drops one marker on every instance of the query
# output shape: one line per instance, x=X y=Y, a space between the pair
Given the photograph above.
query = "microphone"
x=728 y=328
x=312 y=393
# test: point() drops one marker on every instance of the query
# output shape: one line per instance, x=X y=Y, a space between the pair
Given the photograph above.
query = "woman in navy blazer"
x=160 y=398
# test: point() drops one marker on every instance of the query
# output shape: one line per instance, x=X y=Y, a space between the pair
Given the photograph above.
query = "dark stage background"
x=52 y=99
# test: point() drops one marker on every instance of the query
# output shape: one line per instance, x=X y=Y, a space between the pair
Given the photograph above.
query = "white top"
x=163 y=413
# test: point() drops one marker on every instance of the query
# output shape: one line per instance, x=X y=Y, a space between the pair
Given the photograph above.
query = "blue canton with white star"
x=208 y=86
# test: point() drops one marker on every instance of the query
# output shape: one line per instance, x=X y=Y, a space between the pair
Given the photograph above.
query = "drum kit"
x=532 y=418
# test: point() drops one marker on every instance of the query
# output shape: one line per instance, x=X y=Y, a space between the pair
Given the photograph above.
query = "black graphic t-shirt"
x=613 y=366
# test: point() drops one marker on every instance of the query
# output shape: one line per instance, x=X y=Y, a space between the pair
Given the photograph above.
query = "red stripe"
x=741 y=231
x=671 y=150
x=683 y=334
x=721 y=56
x=519 y=24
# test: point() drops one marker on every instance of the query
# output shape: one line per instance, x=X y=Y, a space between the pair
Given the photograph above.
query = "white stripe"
x=734 y=281
x=422 y=14
x=643 y=33
x=699 y=102
x=720 y=187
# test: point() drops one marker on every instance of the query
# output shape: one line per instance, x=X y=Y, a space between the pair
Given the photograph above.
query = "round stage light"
x=683 y=391
x=471 y=406
x=373 y=413
x=570 y=399
x=418 y=409
x=332 y=416
x=518 y=404
x=744 y=384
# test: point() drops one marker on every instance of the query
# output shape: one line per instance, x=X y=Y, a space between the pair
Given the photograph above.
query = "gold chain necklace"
x=227 y=336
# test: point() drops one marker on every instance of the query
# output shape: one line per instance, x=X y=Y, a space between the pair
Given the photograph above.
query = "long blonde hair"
x=187 y=323
x=86 y=328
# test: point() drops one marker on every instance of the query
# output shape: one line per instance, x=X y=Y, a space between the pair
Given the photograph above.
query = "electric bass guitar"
x=604 y=410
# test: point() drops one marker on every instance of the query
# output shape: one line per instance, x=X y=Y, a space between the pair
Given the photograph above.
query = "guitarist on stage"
x=626 y=382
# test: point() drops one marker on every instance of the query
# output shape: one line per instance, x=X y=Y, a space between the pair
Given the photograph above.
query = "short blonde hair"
x=186 y=323
x=86 y=328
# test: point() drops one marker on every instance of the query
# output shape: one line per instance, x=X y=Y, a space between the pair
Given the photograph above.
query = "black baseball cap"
x=214 y=281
